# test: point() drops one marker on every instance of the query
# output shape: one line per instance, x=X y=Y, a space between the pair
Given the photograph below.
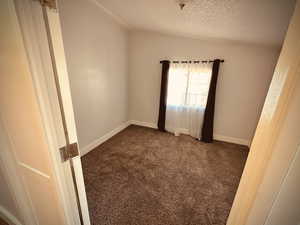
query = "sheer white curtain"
x=188 y=87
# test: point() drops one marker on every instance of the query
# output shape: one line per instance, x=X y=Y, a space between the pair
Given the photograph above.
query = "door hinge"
x=50 y=3
x=69 y=151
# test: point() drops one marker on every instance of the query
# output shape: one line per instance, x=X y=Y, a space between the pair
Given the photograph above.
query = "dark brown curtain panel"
x=163 y=95
x=208 y=122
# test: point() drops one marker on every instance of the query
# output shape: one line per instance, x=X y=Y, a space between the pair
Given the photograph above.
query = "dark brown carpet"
x=145 y=177
x=2 y=222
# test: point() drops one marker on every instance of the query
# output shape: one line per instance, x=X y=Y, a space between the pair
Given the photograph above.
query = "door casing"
x=269 y=127
x=33 y=46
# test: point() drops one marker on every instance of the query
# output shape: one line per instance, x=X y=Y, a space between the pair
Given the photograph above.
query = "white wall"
x=242 y=86
x=100 y=57
x=96 y=52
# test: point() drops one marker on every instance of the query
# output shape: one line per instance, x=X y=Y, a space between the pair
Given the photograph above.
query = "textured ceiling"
x=255 y=21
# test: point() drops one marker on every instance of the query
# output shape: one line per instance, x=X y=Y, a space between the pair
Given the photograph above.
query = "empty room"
x=151 y=111
x=167 y=96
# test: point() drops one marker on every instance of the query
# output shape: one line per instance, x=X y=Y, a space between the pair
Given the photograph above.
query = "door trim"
x=45 y=90
x=271 y=123
x=8 y=165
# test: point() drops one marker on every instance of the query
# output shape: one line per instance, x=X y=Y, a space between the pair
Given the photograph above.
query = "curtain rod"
x=193 y=61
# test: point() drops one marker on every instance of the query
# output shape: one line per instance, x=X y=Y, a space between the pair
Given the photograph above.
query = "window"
x=188 y=85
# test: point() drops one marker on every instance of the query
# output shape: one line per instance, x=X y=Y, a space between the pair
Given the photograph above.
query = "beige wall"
x=96 y=52
x=242 y=86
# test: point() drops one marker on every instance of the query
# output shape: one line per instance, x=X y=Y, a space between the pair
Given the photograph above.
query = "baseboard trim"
x=104 y=138
x=112 y=133
x=217 y=137
x=8 y=217
x=233 y=140
x=143 y=124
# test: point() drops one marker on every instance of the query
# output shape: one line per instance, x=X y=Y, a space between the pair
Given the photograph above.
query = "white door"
x=37 y=122
x=276 y=138
x=285 y=209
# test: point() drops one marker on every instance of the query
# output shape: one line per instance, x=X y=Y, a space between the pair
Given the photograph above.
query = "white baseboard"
x=217 y=137
x=107 y=136
x=143 y=124
x=234 y=140
x=8 y=217
x=102 y=139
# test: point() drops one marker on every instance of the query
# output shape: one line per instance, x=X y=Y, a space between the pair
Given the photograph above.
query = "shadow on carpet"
x=145 y=177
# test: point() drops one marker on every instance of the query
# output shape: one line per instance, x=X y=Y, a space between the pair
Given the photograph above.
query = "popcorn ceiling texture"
x=145 y=177
x=255 y=21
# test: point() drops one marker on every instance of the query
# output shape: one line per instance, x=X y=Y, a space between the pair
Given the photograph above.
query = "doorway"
x=122 y=158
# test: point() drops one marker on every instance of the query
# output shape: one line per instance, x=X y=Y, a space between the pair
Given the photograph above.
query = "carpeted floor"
x=145 y=177
x=2 y=222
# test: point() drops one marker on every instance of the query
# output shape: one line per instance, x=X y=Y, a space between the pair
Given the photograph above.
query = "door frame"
x=44 y=85
x=8 y=165
x=266 y=143
x=45 y=94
